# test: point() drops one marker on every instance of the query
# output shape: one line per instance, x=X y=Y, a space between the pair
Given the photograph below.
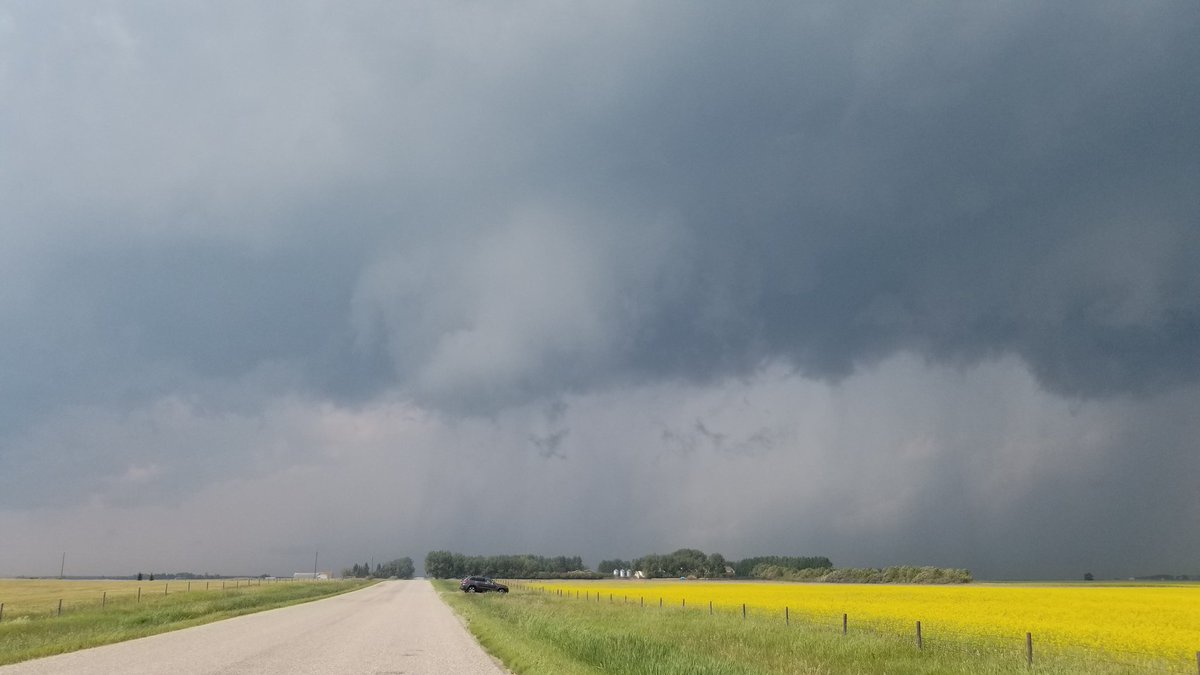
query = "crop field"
x=32 y=597
x=1152 y=625
x=42 y=617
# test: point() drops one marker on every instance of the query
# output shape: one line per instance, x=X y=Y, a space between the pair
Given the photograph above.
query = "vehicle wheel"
x=470 y=589
x=502 y=590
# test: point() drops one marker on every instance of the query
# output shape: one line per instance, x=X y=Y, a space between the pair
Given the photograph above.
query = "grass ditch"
x=536 y=633
x=37 y=634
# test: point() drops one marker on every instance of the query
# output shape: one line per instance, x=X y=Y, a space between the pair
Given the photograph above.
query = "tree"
x=404 y=568
x=607 y=566
x=439 y=564
x=1089 y=577
x=745 y=567
x=716 y=565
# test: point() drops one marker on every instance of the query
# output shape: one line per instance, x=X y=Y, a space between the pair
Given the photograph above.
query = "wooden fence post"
x=787 y=619
x=710 y=614
x=843 y=624
x=684 y=603
x=1029 y=649
x=660 y=602
x=920 y=643
x=743 y=611
x=2 y=618
x=60 y=606
x=139 y=593
x=165 y=587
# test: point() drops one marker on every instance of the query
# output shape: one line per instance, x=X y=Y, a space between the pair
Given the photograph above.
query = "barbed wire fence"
x=124 y=594
x=920 y=634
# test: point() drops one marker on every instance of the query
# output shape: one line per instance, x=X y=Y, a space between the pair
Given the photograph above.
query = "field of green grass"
x=542 y=633
x=102 y=612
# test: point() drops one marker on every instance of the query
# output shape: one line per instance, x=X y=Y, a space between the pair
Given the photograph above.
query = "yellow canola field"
x=1151 y=620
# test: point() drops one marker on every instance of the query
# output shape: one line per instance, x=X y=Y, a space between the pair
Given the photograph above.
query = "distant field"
x=40 y=596
x=102 y=612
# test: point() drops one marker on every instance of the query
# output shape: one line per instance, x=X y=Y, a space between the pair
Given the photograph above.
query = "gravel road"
x=390 y=628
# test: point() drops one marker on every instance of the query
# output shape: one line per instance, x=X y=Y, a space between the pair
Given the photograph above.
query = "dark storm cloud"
x=823 y=185
x=209 y=209
x=842 y=185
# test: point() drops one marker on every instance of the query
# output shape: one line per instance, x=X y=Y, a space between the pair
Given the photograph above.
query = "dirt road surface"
x=390 y=628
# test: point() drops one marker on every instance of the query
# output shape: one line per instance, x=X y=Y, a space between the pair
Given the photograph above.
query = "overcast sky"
x=894 y=283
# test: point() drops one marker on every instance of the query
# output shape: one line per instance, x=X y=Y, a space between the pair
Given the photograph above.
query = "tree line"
x=447 y=565
x=905 y=574
x=685 y=562
x=401 y=568
x=690 y=562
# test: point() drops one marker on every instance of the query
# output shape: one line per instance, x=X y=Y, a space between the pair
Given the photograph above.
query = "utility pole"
x=63 y=566
x=315 y=554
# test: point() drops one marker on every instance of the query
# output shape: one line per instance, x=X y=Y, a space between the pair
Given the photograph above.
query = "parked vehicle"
x=481 y=585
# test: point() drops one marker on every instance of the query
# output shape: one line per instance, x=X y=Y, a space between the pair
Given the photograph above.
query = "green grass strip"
x=35 y=636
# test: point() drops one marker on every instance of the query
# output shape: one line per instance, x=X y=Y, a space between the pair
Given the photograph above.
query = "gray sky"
x=888 y=283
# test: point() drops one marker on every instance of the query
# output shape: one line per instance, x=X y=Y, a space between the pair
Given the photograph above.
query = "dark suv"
x=481 y=585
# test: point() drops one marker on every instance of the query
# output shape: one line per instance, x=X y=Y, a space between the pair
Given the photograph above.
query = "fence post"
x=684 y=603
x=189 y=587
x=139 y=593
x=787 y=619
x=2 y=618
x=660 y=602
x=1029 y=649
x=641 y=601
x=843 y=624
x=1197 y=653
x=104 y=599
x=60 y=606
x=710 y=607
x=920 y=643
x=743 y=611
x=165 y=587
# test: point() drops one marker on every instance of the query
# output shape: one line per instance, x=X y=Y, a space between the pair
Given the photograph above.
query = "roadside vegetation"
x=536 y=630
x=94 y=615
